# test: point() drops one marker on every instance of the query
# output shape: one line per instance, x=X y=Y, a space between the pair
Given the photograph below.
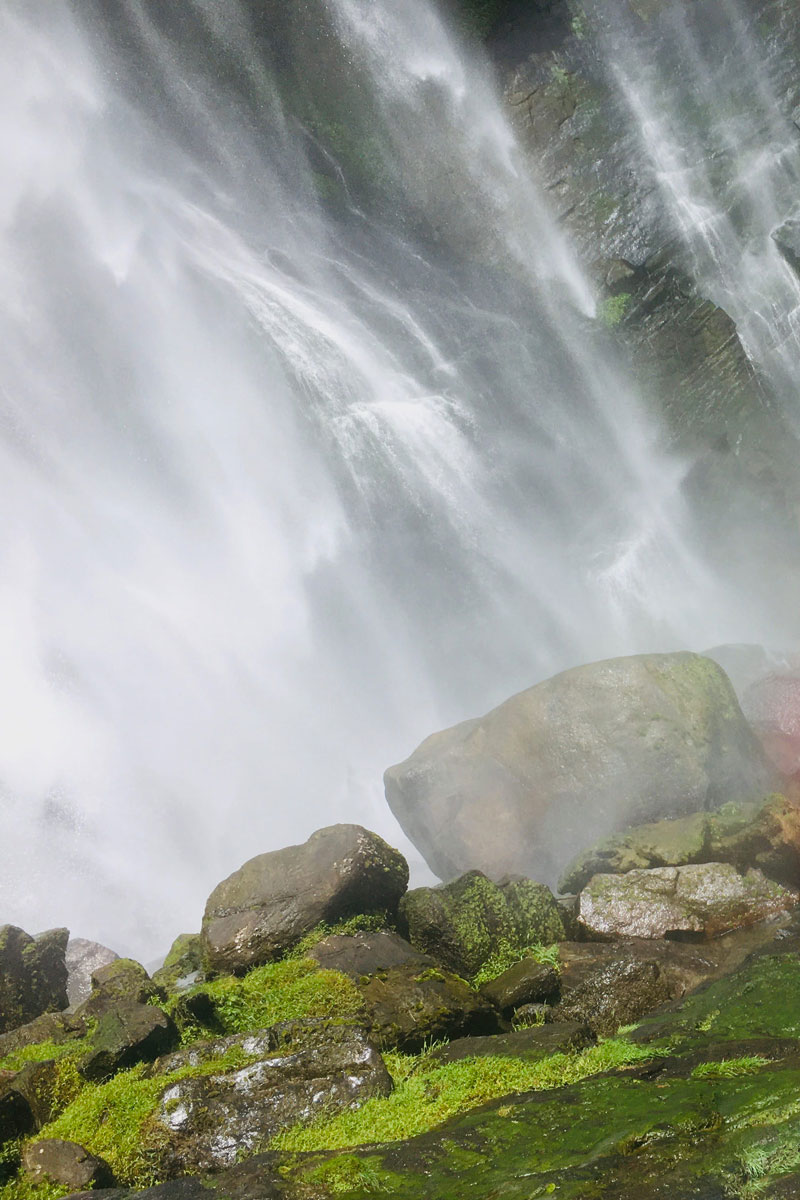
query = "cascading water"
x=310 y=444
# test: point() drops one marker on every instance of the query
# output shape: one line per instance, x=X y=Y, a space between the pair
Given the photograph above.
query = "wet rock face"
x=272 y=901
x=126 y=1034
x=122 y=979
x=33 y=975
x=83 y=958
x=296 y=1072
x=467 y=921
x=763 y=834
x=65 y=1163
x=527 y=982
x=410 y=1006
x=366 y=953
x=530 y=1044
x=575 y=758
x=704 y=901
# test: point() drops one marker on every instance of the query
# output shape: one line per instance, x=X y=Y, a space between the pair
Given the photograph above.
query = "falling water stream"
x=309 y=440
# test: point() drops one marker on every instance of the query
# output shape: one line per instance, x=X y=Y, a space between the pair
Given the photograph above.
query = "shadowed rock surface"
x=575 y=758
x=267 y=906
x=362 y=954
x=33 y=975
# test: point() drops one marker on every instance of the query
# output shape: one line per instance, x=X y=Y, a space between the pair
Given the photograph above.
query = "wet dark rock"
x=127 y=1033
x=787 y=238
x=297 y=1071
x=33 y=975
x=364 y=953
x=16 y=1117
x=83 y=958
x=66 y=1163
x=410 y=1006
x=762 y=833
x=576 y=758
x=527 y=982
x=272 y=901
x=703 y=900
x=466 y=922
x=531 y=1044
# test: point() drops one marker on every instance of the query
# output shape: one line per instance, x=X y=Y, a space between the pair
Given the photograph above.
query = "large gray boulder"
x=703 y=900
x=271 y=902
x=33 y=975
x=574 y=759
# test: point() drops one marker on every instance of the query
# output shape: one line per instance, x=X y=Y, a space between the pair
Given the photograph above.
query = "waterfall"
x=311 y=442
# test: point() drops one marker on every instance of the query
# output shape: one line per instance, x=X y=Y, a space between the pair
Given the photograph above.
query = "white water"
x=284 y=492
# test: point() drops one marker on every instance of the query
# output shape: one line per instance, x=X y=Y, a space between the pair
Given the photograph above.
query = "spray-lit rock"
x=762 y=833
x=33 y=975
x=472 y=919
x=575 y=758
x=183 y=965
x=267 y=906
x=704 y=900
x=772 y=705
x=295 y=1072
x=83 y=958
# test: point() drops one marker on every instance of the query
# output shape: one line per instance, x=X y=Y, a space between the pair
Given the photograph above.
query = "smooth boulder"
x=127 y=1033
x=763 y=833
x=527 y=982
x=53 y=1160
x=703 y=900
x=464 y=923
x=271 y=902
x=33 y=975
x=574 y=759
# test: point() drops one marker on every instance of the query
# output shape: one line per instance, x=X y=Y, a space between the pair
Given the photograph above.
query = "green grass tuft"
x=613 y=309
x=508 y=955
x=729 y=1068
x=425 y=1095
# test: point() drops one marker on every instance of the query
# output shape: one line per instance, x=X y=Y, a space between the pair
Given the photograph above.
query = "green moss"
x=38 y=1052
x=507 y=955
x=346 y=1174
x=21 y=1188
x=611 y=310
x=430 y=1094
x=728 y=1068
x=292 y=989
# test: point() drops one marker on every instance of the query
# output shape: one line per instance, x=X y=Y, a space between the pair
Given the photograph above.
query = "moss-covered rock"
x=275 y=899
x=467 y=922
x=124 y=979
x=410 y=1006
x=760 y=833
